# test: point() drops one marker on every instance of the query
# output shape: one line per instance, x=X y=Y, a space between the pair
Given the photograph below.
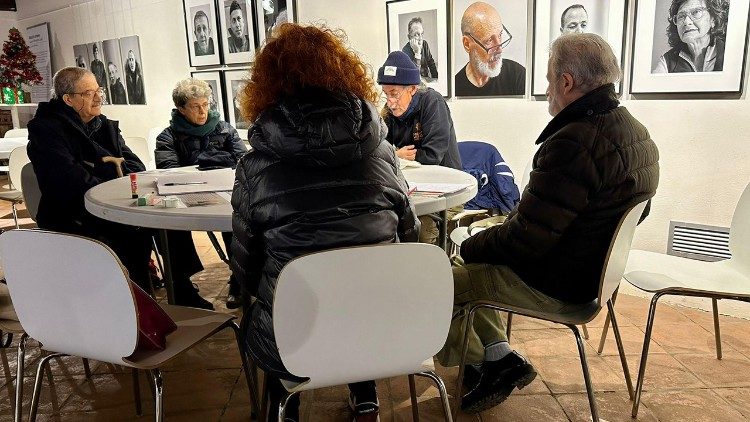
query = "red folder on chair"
x=153 y=323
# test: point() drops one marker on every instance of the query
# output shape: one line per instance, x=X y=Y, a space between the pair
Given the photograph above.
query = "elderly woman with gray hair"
x=196 y=136
x=697 y=31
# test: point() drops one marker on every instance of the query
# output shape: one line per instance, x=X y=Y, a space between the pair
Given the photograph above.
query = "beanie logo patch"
x=389 y=70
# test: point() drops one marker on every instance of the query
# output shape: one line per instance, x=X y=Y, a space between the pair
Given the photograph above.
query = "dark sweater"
x=510 y=81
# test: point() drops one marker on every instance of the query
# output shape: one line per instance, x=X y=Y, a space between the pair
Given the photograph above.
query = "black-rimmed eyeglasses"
x=89 y=93
x=505 y=36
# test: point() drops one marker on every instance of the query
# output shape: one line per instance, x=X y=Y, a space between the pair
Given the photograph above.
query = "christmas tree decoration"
x=17 y=67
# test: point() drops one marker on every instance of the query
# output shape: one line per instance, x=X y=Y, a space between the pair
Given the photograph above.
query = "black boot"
x=497 y=381
x=187 y=295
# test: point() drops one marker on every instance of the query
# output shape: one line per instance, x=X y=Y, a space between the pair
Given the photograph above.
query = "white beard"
x=484 y=67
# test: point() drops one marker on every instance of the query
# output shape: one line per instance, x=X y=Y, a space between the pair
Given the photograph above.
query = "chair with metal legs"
x=362 y=313
x=614 y=266
x=55 y=282
x=665 y=275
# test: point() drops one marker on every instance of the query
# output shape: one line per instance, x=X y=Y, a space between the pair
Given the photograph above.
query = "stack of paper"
x=197 y=181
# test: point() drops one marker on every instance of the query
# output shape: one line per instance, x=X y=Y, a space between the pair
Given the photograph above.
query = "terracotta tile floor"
x=684 y=381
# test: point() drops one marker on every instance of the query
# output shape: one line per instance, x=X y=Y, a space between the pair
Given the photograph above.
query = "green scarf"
x=180 y=124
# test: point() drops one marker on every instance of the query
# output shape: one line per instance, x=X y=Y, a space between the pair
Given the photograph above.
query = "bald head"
x=478 y=16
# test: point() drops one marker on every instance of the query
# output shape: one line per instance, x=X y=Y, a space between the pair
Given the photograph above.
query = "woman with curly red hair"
x=320 y=176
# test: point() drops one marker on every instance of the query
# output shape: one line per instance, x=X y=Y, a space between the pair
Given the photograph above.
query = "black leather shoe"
x=472 y=374
x=497 y=381
x=190 y=297
x=233 y=302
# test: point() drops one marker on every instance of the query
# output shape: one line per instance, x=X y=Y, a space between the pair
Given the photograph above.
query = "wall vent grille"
x=698 y=241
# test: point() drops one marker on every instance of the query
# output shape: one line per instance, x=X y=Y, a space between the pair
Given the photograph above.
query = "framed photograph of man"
x=239 y=42
x=214 y=80
x=81 y=55
x=130 y=50
x=98 y=68
x=689 y=46
x=234 y=80
x=489 y=48
x=553 y=18
x=419 y=29
x=202 y=35
x=113 y=61
x=272 y=13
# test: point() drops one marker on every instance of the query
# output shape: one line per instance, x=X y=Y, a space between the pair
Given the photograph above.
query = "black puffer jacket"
x=320 y=176
x=222 y=148
x=596 y=160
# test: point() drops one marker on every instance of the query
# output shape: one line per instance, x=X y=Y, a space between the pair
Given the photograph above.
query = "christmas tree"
x=17 y=63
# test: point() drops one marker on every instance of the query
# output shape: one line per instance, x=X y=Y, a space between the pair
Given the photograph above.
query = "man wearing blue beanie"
x=419 y=122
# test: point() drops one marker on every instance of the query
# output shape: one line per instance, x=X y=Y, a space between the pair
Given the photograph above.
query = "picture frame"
x=216 y=82
x=659 y=66
x=237 y=29
x=513 y=73
x=113 y=65
x=130 y=49
x=204 y=44
x=606 y=18
x=402 y=17
x=233 y=82
x=98 y=68
x=270 y=13
x=81 y=56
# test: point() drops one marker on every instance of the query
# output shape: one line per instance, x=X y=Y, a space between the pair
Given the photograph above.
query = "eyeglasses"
x=89 y=93
x=196 y=108
x=394 y=96
x=694 y=14
x=416 y=35
x=503 y=44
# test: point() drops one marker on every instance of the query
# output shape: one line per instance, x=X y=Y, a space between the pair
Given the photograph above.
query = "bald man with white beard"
x=487 y=73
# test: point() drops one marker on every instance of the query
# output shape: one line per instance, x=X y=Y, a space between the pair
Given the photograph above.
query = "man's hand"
x=416 y=47
x=407 y=153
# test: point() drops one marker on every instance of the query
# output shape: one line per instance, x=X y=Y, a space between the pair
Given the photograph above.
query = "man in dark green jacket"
x=595 y=161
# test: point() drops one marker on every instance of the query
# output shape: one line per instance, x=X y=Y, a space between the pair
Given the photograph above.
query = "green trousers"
x=487 y=282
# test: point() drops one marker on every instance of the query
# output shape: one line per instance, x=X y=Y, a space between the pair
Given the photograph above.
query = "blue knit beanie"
x=398 y=69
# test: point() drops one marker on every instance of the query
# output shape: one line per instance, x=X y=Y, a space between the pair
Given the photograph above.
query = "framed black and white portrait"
x=553 y=18
x=237 y=29
x=113 y=64
x=202 y=33
x=216 y=99
x=130 y=50
x=272 y=13
x=81 y=55
x=419 y=29
x=234 y=80
x=489 y=48
x=98 y=68
x=689 y=46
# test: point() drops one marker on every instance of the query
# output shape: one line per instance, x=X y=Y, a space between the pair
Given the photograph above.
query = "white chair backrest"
x=17 y=133
x=619 y=250
x=361 y=313
x=739 y=232
x=70 y=294
x=139 y=146
x=17 y=159
x=526 y=175
x=30 y=189
x=151 y=140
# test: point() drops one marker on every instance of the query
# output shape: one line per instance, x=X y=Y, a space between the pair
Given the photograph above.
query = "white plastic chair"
x=30 y=189
x=18 y=158
x=614 y=267
x=17 y=133
x=140 y=148
x=362 y=313
x=73 y=296
x=153 y=133
x=663 y=275
x=9 y=325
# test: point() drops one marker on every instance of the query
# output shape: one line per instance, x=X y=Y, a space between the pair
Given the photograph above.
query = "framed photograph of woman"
x=489 y=48
x=553 y=18
x=272 y=13
x=239 y=42
x=130 y=49
x=81 y=54
x=419 y=28
x=216 y=99
x=689 y=46
x=234 y=80
x=202 y=35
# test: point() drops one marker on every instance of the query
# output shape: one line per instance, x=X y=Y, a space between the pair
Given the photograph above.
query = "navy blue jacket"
x=497 y=188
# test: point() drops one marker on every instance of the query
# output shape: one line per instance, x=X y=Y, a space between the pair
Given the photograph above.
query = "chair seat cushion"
x=655 y=272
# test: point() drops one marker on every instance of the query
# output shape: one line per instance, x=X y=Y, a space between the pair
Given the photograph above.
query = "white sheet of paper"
x=198 y=181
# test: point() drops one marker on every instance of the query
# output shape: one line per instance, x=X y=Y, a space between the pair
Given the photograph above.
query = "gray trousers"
x=487 y=282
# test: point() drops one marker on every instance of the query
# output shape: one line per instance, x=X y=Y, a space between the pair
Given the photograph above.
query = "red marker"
x=133 y=185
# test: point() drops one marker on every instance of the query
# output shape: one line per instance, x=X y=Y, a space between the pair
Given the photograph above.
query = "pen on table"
x=412 y=190
x=184 y=183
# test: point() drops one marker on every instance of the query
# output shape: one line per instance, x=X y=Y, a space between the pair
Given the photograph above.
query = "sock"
x=496 y=351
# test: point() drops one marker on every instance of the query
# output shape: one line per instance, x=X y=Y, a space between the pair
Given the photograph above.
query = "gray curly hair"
x=189 y=89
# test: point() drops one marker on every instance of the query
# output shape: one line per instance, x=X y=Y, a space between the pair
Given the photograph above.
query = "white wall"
x=703 y=145
x=7 y=20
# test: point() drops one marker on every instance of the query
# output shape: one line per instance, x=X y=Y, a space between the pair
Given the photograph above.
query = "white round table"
x=112 y=201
